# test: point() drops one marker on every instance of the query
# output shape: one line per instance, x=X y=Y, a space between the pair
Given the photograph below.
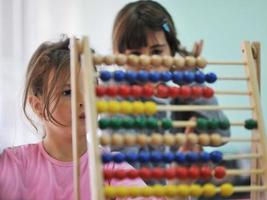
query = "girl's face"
x=156 y=45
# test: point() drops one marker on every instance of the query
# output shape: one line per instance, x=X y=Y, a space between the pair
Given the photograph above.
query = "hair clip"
x=166 y=27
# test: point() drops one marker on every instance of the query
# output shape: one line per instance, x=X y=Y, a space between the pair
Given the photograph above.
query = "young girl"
x=44 y=171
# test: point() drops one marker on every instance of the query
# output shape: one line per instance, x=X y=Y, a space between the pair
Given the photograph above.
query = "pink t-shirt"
x=28 y=172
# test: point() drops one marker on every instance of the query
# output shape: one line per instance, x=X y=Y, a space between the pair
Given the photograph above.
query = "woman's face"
x=156 y=45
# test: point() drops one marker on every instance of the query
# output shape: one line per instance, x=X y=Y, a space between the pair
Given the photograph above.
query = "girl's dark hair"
x=49 y=63
x=136 y=19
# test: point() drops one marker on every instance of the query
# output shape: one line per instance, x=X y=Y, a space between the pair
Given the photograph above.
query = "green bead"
x=251 y=124
x=202 y=124
x=103 y=123
x=224 y=124
x=213 y=124
x=140 y=122
x=152 y=123
x=115 y=123
x=127 y=123
x=166 y=123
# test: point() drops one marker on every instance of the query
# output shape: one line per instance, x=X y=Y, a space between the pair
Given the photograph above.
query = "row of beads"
x=147 y=91
x=156 y=157
x=125 y=107
x=203 y=139
x=155 y=60
x=182 y=173
x=182 y=190
x=178 y=77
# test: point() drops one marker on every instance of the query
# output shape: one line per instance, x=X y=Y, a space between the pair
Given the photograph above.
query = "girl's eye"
x=66 y=92
x=156 y=52
x=137 y=53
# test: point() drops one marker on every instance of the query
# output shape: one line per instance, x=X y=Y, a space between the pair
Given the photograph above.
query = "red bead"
x=219 y=172
x=170 y=173
x=108 y=174
x=157 y=173
x=194 y=172
x=185 y=91
x=196 y=91
x=181 y=173
x=124 y=90
x=132 y=173
x=162 y=91
x=136 y=91
x=100 y=91
x=148 y=90
x=208 y=92
x=112 y=91
x=120 y=174
x=205 y=172
x=174 y=91
x=145 y=173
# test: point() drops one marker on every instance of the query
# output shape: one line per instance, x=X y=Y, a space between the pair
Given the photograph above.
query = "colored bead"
x=103 y=123
x=212 y=124
x=174 y=91
x=208 y=92
x=219 y=172
x=210 y=77
x=166 y=124
x=100 y=91
x=180 y=139
x=126 y=107
x=134 y=191
x=142 y=76
x=195 y=190
x=201 y=62
x=205 y=172
x=177 y=77
x=181 y=173
x=167 y=61
x=114 y=107
x=119 y=75
x=170 y=173
x=145 y=173
x=251 y=124
x=179 y=158
x=150 y=108
x=148 y=91
x=204 y=139
x=140 y=122
x=138 y=107
x=154 y=76
x=133 y=60
x=170 y=190
x=157 y=173
x=136 y=91
x=120 y=174
x=124 y=90
x=120 y=59
x=131 y=157
x=179 y=62
x=202 y=124
x=190 y=61
x=117 y=140
x=98 y=59
x=108 y=174
x=196 y=91
x=227 y=190
x=156 y=156
x=216 y=139
x=204 y=156
x=144 y=60
x=158 y=190
x=111 y=91
x=191 y=157
x=129 y=140
x=168 y=139
x=132 y=173
x=183 y=190
x=101 y=106
x=168 y=157
x=185 y=91
x=105 y=140
x=224 y=124
x=118 y=158
x=105 y=75
x=162 y=91
x=115 y=123
x=121 y=191
x=192 y=138
x=106 y=157
x=209 y=190
x=142 y=139
x=109 y=59
x=146 y=191
x=166 y=76
x=156 y=139
x=216 y=156
x=156 y=60
x=188 y=77
x=193 y=172
x=110 y=192
x=151 y=123
x=130 y=76
x=200 y=77
x=143 y=156
x=127 y=122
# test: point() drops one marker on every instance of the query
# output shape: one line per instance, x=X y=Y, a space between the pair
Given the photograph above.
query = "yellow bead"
x=138 y=107
x=209 y=190
x=168 y=139
x=98 y=59
x=102 y=106
x=204 y=139
x=142 y=139
x=121 y=191
x=156 y=139
x=158 y=191
x=117 y=140
x=144 y=60
x=171 y=190
x=179 y=62
x=227 y=189
x=156 y=60
x=129 y=140
x=150 y=107
x=109 y=59
x=110 y=192
x=126 y=107
x=133 y=60
x=121 y=59
x=105 y=140
x=146 y=191
x=114 y=107
x=215 y=139
x=201 y=62
x=167 y=61
x=180 y=139
x=192 y=138
x=195 y=190
x=134 y=191
x=183 y=190
x=190 y=61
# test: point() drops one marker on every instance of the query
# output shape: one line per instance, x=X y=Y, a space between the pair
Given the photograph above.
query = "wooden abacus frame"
x=82 y=64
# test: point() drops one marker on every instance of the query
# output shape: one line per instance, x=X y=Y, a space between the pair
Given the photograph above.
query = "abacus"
x=95 y=104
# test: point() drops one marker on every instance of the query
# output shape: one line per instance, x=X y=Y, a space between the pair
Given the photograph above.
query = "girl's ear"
x=36 y=105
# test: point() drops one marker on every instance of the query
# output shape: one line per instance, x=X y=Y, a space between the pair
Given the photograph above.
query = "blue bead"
x=199 y=77
x=106 y=157
x=179 y=158
x=188 y=77
x=119 y=75
x=131 y=157
x=216 y=156
x=142 y=76
x=131 y=76
x=118 y=157
x=154 y=76
x=204 y=156
x=210 y=77
x=191 y=157
x=166 y=76
x=168 y=157
x=155 y=156
x=105 y=75
x=144 y=156
x=177 y=77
